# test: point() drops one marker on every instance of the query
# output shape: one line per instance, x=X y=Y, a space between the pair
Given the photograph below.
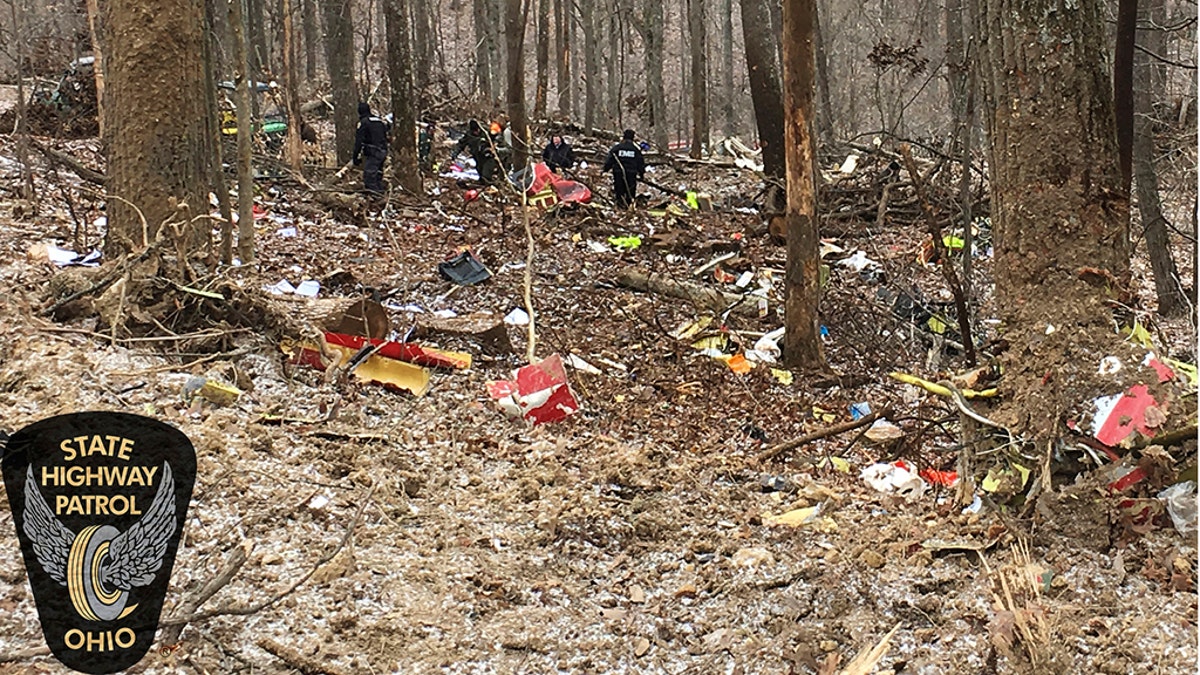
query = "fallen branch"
x=90 y=175
x=699 y=295
x=780 y=448
x=258 y=607
x=938 y=389
x=194 y=600
x=865 y=662
x=935 y=231
x=305 y=664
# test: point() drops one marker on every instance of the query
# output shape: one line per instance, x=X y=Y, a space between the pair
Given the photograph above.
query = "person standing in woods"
x=628 y=167
x=370 y=147
x=558 y=154
x=482 y=151
x=425 y=146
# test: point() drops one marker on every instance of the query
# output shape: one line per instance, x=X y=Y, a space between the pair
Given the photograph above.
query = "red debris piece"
x=943 y=478
x=405 y=351
x=539 y=393
x=1118 y=417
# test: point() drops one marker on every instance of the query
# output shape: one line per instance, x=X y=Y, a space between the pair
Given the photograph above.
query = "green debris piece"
x=626 y=243
x=692 y=202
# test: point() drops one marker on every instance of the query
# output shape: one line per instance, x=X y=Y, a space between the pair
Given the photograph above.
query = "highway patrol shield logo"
x=99 y=500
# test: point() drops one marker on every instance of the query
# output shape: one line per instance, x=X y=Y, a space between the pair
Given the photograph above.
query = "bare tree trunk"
x=496 y=51
x=825 y=115
x=96 y=33
x=311 y=39
x=405 y=170
x=293 y=150
x=245 y=169
x=697 y=31
x=1054 y=178
x=765 y=92
x=339 y=56
x=802 y=338
x=483 y=66
x=562 y=30
x=160 y=168
x=1172 y=300
x=17 y=9
x=958 y=74
x=1123 y=87
x=216 y=169
x=543 y=59
x=727 y=67
x=653 y=39
x=423 y=40
x=591 y=64
x=518 y=120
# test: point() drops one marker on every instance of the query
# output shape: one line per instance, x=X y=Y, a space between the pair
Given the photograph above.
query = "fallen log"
x=90 y=175
x=703 y=297
x=486 y=329
x=776 y=450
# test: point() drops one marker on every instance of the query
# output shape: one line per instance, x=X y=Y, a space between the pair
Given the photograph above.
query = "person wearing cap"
x=370 y=147
x=627 y=165
x=482 y=150
x=558 y=154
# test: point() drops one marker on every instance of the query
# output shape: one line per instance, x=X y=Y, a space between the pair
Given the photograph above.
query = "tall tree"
x=96 y=34
x=1172 y=300
x=212 y=134
x=543 y=59
x=339 y=56
x=400 y=57
x=160 y=168
x=1060 y=218
x=651 y=30
x=825 y=114
x=291 y=73
x=727 y=67
x=243 y=80
x=563 y=14
x=591 y=64
x=802 y=337
x=311 y=38
x=483 y=57
x=514 y=34
x=698 y=33
x=424 y=38
x=18 y=11
x=765 y=91
x=1123 y=86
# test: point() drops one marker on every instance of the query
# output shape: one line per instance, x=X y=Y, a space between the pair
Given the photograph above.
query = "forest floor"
x=634 y=536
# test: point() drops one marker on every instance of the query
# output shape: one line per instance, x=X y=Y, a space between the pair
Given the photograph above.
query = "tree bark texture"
x=400 y=66
x=483 y=68
x=591 y=64
x=216 y=170
x=727 y=121
x=562 y=30
x=765 y=91
x=339 y=55
x=699 y=63
x=311 y=38
x=518 y=118
x=155 y=90
x=96 y=33
x=1172 y=300
x=543 y=59
x=243 y=78
x=802 y=338
x=653 y=40
x=1123 y=86
x=292 y=150
x=1059 y=216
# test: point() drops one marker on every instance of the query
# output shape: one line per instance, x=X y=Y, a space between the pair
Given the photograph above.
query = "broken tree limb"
x=308 y=665
x=90 y=175
x=935 y=232
x=194 y=600
x=660 y=188
x=780 y=448
x=703 y=297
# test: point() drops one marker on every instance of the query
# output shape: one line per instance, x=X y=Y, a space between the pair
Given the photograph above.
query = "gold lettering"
x=97 y=446
x=73 y=476
x=53 y=475
x=60 y=502
x=68 y=451
x=77 y=635
x=112 y=440
x=126 y=448
x=125 y=631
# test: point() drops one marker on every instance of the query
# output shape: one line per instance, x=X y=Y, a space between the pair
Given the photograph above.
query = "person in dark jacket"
x=482 y=151
x=558 y=154
x=425 y=146
x=627 y=165
x=370 y=147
